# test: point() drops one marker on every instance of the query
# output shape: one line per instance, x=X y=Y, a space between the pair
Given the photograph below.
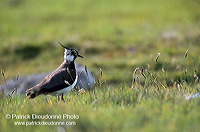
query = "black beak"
x=80 y=56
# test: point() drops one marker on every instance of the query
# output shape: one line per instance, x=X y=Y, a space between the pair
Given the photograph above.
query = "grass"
x=116 y=36
x=110 y=109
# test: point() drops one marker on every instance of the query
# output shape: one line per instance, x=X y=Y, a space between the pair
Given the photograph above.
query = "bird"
x=61 y=81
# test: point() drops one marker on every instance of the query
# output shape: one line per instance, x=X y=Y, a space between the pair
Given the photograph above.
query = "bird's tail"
x=32 y=93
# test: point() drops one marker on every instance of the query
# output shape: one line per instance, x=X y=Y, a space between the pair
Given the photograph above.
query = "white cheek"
x=65 y=54
x=70 y=58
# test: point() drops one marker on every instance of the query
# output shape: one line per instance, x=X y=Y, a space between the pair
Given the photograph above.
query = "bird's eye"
x=73 y=52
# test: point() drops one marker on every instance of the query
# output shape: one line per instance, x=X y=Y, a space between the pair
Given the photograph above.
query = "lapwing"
x=61 y=81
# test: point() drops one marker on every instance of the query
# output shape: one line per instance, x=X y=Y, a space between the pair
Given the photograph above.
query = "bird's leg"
x=58 y=98
x=62 y=97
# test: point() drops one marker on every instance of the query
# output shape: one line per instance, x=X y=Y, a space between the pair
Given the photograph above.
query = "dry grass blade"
x=101 y=72
x=2 y=73
x=103 y=82
x=163 y=70
x=10 y=95
x=185 y=71
x=134 y=75
x=186 y=53
x=135 y=71
x=14 y=90
x=148 y=72
x=196 y=78
x=157 y=57
x=142 y=73
x=142 y=70
x=86 y=70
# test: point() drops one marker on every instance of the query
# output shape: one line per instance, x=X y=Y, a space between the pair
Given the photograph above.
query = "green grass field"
x=117 y=37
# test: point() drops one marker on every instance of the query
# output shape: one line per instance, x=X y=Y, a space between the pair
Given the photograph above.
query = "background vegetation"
x=116 y=36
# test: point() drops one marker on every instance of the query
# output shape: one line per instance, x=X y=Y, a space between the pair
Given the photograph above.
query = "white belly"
x=66 y=90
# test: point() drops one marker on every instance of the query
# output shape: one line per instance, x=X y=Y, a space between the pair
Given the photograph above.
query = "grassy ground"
x=116 y=36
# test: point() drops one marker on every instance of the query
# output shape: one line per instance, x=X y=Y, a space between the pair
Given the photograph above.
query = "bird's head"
x=70 y=54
